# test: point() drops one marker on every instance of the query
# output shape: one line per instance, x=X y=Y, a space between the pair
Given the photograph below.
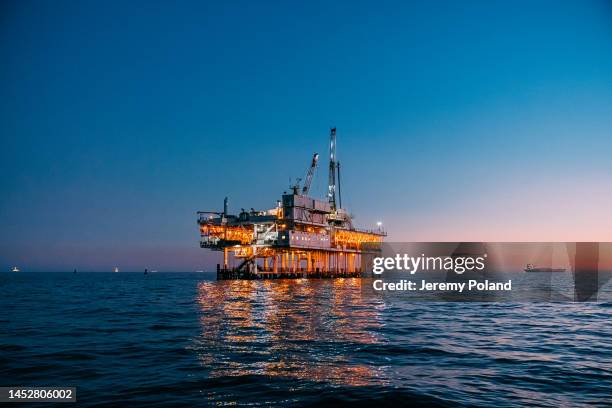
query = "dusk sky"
x=457 y=121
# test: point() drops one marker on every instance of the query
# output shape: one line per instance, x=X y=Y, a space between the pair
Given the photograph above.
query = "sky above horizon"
x=457 y=121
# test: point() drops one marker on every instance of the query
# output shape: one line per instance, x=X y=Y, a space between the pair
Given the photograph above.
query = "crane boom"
x=311 y=170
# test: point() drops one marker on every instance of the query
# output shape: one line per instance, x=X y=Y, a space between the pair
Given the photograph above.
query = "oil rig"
x=302 y=237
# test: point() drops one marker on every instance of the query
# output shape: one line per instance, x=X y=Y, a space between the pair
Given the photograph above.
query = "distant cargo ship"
x=531 y=268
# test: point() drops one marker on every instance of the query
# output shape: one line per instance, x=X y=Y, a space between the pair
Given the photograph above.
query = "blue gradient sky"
x=456 y=121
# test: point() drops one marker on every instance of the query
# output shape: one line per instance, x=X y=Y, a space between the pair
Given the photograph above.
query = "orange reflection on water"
x=302 y=329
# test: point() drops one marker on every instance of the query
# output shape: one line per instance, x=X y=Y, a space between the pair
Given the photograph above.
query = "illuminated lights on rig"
x=301 y=237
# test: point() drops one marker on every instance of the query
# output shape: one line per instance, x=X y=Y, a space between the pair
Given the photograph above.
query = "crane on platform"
x=309 y=176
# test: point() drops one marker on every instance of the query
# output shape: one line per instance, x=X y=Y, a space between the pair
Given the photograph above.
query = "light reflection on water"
x=270 y=328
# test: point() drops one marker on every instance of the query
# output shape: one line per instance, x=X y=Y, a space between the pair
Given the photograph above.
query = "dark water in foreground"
x=165 y=339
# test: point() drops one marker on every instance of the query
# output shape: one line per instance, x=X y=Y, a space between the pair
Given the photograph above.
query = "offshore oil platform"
x=302 y=237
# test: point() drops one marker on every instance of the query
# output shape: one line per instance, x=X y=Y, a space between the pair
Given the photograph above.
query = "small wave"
x=161 y=326
x=605 y=305
x=398 y=350
x=12 y=347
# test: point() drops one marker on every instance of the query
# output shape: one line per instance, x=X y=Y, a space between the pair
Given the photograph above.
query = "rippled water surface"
x=166 y=338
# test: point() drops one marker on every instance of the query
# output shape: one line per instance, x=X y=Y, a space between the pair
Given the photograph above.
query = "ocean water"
x=168 y=339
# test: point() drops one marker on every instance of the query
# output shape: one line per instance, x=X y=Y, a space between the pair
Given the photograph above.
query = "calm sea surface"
x=127 y=339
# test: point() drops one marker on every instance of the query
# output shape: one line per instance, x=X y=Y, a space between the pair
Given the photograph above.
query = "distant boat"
x=116 y=269
x=15 y=269
x=532 y=268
